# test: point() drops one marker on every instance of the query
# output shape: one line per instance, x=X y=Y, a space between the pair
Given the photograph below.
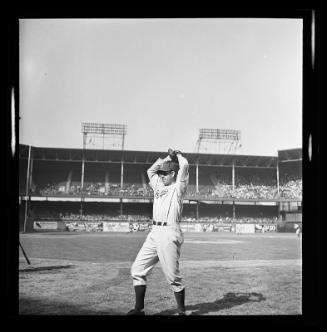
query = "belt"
x=159 y=223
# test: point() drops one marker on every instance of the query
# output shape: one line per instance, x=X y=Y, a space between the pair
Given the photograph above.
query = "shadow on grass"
x=45 y=268
x=44 y=307
x=228 y=301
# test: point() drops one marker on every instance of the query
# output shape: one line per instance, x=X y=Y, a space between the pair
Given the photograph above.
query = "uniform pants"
x=162 y=244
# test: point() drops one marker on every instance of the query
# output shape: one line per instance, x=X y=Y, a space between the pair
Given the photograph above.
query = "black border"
x=311 y=169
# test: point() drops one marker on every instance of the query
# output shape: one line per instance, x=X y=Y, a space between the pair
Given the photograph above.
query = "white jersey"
x=168 y=200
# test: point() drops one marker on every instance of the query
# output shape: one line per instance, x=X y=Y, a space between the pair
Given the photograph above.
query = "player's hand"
x=172 y=155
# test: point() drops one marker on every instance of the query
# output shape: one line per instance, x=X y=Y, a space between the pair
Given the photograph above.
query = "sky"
x=162 y=78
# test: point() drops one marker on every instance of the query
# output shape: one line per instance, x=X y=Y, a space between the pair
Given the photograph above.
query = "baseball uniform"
x=164 y=241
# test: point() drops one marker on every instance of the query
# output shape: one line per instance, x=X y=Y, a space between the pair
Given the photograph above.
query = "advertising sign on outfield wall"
x=143 y=226
x=183 y=227
x=221 y=228
x=48 y=225
x=139 y=226
x=244 y=228
x=191 y=228
x=116 y=226
x=84 y=226
x=204 y=227
x=207 y=227
x=263 y=228
x=198 y=228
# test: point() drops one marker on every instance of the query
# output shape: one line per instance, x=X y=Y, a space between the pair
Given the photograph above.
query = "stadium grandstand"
x=75 y=185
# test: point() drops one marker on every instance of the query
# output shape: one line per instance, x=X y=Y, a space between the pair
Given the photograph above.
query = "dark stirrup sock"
x=139 y=296
x=180 y=299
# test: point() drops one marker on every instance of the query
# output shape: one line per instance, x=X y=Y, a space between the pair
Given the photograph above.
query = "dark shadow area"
x=228 y=301
x=31 y=306
x=46 y=268
x=43 y=307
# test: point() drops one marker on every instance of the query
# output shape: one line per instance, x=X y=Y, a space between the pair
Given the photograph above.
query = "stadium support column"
x=277 y=175
x=233 y=176
x=106 y=182
x=81 y=210
x=197 y=210
x=234 y=215
x=122 y=175
x=83 y=161
x=197 y=178
x=27 y=186
x=31 y=171
x=122 y=163
x=82 y=177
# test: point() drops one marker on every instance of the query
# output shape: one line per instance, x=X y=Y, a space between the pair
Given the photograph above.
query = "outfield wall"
x=144 y=226
x=49 y=226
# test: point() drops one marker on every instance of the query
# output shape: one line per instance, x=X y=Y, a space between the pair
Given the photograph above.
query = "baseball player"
x=169 y=179
x=297 y=229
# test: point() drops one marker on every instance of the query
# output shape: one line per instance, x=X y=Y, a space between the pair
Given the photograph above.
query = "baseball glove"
x=173 y=154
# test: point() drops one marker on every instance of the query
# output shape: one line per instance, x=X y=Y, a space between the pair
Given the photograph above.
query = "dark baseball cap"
x=168 y=166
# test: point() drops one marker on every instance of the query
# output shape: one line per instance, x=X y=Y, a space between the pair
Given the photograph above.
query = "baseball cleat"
x=135 y=312
x=181 y=313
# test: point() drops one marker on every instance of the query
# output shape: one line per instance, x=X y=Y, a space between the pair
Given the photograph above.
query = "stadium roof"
x=290 y=155
x=148 y=157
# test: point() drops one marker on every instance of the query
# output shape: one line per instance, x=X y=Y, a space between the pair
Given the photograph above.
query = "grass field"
x=224 y=274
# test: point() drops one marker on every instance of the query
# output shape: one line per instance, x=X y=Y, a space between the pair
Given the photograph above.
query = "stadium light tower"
x=223 y=141
x=96 y=134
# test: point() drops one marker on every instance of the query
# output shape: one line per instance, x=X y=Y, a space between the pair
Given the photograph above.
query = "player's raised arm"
x=182 y=178
x=182 y=175
x=152 y=171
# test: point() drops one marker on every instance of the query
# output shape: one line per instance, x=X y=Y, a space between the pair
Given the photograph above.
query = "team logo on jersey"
x=160 y=193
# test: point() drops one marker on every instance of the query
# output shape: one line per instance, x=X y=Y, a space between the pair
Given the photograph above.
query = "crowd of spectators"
x=230 y=220
x=137 y=217
x=73 y=217
x=291 y=187
x=255 y=188
x=48 y=190
x=45 y=215
x=251 y=191
x=68 y=217
x=83 y=217
x=246 y=187
x=99 y=218
x=95 y=189
x=240 y=192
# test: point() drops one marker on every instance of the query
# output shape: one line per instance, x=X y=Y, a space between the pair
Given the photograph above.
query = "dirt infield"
x=224 y=274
